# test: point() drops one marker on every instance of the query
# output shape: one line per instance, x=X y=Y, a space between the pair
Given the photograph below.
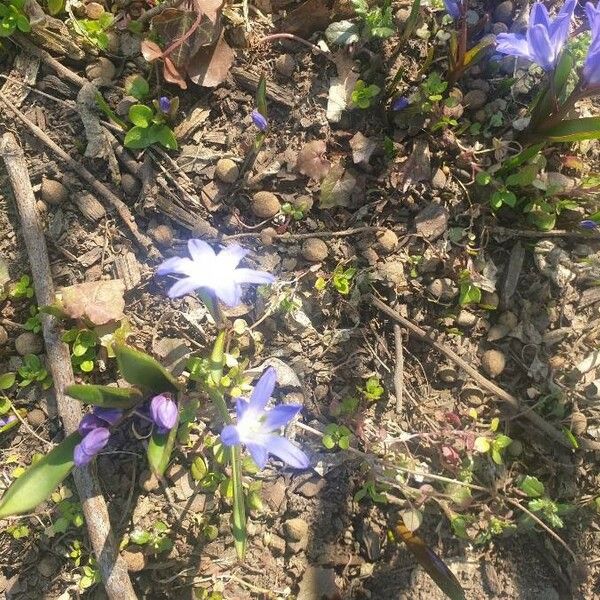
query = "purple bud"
x=90 y=445
x=588 y=224
x=260 y=120
x=89 y=423
x=163 y=412
x=164 y=104
x=400 y=103
x=4 y=421
x=109 y=415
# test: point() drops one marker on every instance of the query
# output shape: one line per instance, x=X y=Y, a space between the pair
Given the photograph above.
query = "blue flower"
x=588 y=224
x=256 y=427
x=591 y=67
x=95 y=429
x=400 y=103
x=218 y=273
x=4 y=421
x=453 y=8
x=163 y=412
x=164 y=104
x=543 y=40
x=259 y=120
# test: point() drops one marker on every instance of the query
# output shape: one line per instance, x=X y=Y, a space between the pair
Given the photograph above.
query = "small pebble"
x=29 y=343
x=493 y=362
x=443 y=289
x=226 y=170
x=148 y=481
x=285 y=65
x=36 y=417
x=53 y=192
x=268 y=235
x=314 y=250
x=504 y=12
x=509 y=319
x=265 y=205
x=466 y=319
x=101 y=69
x=135 y=560
x=489 y=300
x=3 y=336
x=131 y=186
x=475 y=99
x=162 y=234
x=497 y=332
x=578 y=423
x=303 y=203
x=498 y=28
x=438 y=181
x=93 y=10
x=387 y=241
x=296 y=529
x=47 y=566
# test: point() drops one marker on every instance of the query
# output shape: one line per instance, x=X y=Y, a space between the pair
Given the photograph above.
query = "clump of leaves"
x=90 y=574
x=13 y=18
x=469 y=293
x=370 y=490
x=69 y=511
x=494 y=446
x=95 y=30
x=363 y=95
x=83 y=347
x=341 y=279
x=34 y=321
x=373 y=389
x=378 y=21
x=336 y=435
x=157 y=538
x=22 y=288
x=150 y=125
x=33 y=370
x=549 y=510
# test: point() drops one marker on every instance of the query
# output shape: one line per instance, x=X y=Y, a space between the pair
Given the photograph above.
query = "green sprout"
x=551 y=511
x=94 y=30
x=363 y=94
x=469 y=293
x=157 y=538
x=369 y=490
x=33 y=370
x=378 y=21
x=293 y=211
x=150 y=123
x=22 y=288
x=494 y=446
x=373 y=389
x=83 y=348
x=336 y=435
x=34 y=321
x=13 y=18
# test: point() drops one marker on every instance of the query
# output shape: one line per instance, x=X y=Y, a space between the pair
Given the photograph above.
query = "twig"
x=512 y=401
x=112 y=568
x=29 y=429
x=540 y=235
x=290 y=36
x=399 y=368
x=159 y=8
x=121 y=208
x=290 y=237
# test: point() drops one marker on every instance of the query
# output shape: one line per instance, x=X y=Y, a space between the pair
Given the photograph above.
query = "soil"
x=309 y=538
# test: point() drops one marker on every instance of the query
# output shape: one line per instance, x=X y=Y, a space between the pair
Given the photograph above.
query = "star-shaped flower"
x=218 y=273
x=591 y=67
x=544 y=39
x=256 y=426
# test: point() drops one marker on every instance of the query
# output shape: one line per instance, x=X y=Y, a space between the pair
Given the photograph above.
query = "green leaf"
x=140 y=537
x=238 y=516
x=140 y=115
x=328 y=442
x=7 y=380
x=574 y=130
x=137 y=138
x=164 y=135
x=160 y=448
x=55 y=6
x=23 y=24
x=137 y=87
x=261 y=96
x=475 y=54
x=105 y=395
x=502 y=441
x=40 y=480
x=501 y=197
x=144 y=371
x=519 y=159
x=482 y=445
x=532 y=486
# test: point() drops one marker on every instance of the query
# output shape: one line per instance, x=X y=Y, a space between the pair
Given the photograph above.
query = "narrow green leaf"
x=532 y=486
x=40 y=480
x=519 y=159
x=411 y=23
x=142 y=370
x=160 y=448
x=109 y=112
x=545 y=103
x=238 y=516
x=574 y=130
x=261 y=97
x=105 y=395
x=475 y=54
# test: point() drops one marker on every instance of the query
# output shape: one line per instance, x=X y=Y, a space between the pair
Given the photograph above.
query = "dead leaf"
x=337 y=187
x=362 y=148
x=341 y=87
x=151 y=51
x=97 y=301
x=172 y=75
x=210 y=66
x=417 y=167
x=311 y=160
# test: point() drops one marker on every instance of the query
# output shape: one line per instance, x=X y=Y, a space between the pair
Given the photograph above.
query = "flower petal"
x=200 y=251
x=230 y=435
x=229 y=258
x=252 y=276
x=263 y=390
x=559 y=28
x=283 y=449
x=279 y=416
x=513 y=44
x=593 y=15
x=539 y=16
x=540 y=47
x=109 y=415
x=591 y=67
x=241 y=406
x=184 y=286
x=259 y=454
x=228 y=292
x=176 y=265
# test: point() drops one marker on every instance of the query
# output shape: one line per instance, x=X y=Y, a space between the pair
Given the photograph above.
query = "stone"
x=29 y=343
x=53 y=192
x=489 y=300
x=311 y=488
x=101 y=69
x=227 y=171
x=134 y=559
x=498 y=28
x=148 y=481
x=438 y=181
x=131 y=186
x=509 y=319
x=392 y=271
x=94 y=10
x=475 y=99
x=497 y=332
x=387 y=241
x=275 y=543
x=3 y=336
x=466 y=319
x=443 y=289
x=265 y=205
x=314 y=250
x=318 y=583
x=48 y=566
x=504 y=12
x=432 y=222
x=268 y=235
x=162 y=235
x=493 y=362
x=36 y=417
x=285 y=64
x=303 y=203
x=296 y=529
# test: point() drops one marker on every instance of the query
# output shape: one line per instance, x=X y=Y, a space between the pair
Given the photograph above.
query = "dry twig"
x=112 y=568
x=398 y=368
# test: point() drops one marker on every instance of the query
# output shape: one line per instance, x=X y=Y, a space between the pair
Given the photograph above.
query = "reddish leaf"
x=210 y=66
x=172 y=75
x=311 y=160
x=151 y=51
x=97 y=301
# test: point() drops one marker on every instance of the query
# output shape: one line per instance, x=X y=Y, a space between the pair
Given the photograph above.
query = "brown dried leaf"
x=311 y=160
x=172 y=75
x=337 y=187
x=362 y=148
x=417 y=167
x=151 y=51
x=210 y=66
x=97 y=301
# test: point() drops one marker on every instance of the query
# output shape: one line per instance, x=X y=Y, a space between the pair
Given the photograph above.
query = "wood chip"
x=89 y=206
x=128 y=269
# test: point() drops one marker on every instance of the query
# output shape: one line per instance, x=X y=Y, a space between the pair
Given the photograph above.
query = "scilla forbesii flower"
x=217 y=273
x=257 y=427
x=544 y=39
x=259 y=120
x=163 y=411
x=95 y=429
x=591 y=67
x=453 y=8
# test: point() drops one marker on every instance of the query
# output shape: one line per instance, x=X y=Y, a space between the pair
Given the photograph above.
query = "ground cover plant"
x=299 y=299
